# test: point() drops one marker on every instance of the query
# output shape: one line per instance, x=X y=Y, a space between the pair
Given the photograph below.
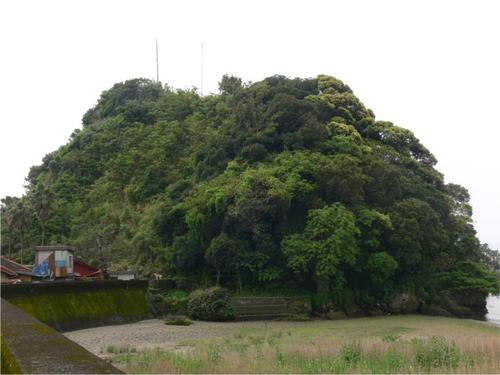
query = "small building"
x=13 y=272
x=122 y=275
x=54 y=261
x=85 y=271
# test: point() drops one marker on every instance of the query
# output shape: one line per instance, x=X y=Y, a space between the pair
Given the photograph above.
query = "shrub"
x=436 y=352
x=351 y=352
x=174 y=305
x=178 y=321
x=172 y=302
x=211 y=304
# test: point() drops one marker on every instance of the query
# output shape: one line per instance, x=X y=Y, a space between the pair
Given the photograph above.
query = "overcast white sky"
x=429 y=66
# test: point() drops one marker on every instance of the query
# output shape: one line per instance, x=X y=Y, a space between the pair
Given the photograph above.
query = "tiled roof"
x=13 y=268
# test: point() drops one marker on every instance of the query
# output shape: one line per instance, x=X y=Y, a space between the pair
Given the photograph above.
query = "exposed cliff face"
x=471 y=306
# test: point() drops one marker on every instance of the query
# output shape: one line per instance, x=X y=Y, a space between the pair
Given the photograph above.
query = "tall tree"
x=328 y=243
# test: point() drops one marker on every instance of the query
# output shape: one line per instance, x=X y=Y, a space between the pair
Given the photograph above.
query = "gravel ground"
x=152 y=334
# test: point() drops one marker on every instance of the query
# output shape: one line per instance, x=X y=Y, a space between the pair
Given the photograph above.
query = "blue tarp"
x=42 y=269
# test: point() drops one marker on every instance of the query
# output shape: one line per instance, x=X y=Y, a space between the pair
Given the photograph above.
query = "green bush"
x=178 y=321
x=174 y=302
x=351 y=352
x=436 y=352
x=211 y=304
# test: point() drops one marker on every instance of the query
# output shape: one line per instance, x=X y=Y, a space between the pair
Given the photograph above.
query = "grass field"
x=391 y=344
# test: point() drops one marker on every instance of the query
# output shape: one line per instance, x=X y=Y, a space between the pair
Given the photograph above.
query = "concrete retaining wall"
x=31 y=347
x=81 y=304
x=270 y=307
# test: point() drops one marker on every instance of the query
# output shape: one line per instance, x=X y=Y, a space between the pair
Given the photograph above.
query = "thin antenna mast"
x=157 y=68
x=201 y=86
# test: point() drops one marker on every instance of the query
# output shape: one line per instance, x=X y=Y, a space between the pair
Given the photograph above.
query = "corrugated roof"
x=77 y=264
x=13 y=268
x=55 y=247
x=8 y=271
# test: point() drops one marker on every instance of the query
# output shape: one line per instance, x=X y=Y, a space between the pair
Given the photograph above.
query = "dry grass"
x=398 y=344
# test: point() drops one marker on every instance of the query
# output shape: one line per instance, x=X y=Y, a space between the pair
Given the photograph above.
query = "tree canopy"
x=283 y=182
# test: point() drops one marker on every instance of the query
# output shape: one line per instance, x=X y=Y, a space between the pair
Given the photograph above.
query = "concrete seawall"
x=78 y=304
x=31 y=347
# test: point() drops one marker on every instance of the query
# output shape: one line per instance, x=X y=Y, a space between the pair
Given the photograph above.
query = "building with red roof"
x=83 y=270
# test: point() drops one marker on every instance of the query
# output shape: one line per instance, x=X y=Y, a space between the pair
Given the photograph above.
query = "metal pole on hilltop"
x=157 y=68
x=201 y=85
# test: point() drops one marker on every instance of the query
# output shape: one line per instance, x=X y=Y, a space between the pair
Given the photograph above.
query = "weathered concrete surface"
x=67 y=305
x=31 y=347
x=270 y=307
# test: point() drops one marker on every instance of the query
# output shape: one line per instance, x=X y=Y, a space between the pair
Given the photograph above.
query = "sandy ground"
x=152 y=334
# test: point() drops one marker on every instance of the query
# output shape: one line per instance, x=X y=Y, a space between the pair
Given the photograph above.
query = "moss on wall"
x=31 y=347
x=80 y=308
x=9 y=364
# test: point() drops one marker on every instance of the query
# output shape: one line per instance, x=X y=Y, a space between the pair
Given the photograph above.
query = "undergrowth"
x=279 y=352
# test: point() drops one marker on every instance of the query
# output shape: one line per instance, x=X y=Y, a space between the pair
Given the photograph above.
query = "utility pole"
x=201 y=86
x=157 y=68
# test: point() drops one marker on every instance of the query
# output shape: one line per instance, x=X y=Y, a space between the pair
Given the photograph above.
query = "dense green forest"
x=288 y=184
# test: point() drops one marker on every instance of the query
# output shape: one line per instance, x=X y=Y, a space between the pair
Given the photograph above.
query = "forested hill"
x=283 y=182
